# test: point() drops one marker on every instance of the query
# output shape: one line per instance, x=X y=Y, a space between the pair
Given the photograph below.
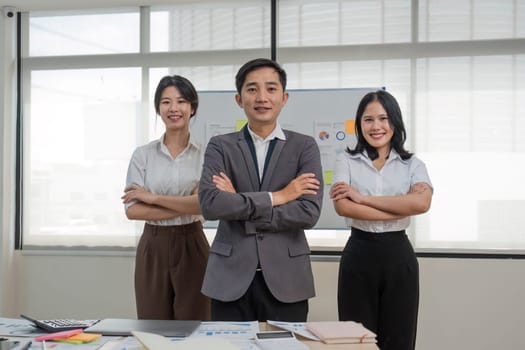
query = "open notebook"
x=124 y=327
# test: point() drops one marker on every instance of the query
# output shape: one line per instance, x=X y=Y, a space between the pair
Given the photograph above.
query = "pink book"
x=332 y=332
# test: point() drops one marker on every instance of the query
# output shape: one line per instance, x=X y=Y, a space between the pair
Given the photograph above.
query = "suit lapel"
x=248 y=160
x=271 y=164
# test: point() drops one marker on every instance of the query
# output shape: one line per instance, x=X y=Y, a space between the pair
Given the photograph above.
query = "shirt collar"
x=394 y=155
x=277 y=133
x=192 y=143
x=391 y=157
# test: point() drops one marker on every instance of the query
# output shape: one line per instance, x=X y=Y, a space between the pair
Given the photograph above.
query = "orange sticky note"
x=81 y=338
x=350 y=126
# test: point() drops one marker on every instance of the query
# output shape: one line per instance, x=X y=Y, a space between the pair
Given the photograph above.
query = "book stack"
x=341 y=332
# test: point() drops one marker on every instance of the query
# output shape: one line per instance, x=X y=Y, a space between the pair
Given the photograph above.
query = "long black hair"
x=395 y=120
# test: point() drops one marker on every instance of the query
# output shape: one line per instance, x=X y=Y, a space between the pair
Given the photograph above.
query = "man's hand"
x=301 y=185
x=223 y=183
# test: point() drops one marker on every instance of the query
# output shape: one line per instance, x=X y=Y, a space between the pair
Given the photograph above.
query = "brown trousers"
x=169 y=269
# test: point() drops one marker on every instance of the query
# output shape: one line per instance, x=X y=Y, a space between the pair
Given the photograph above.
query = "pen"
x=44 y=345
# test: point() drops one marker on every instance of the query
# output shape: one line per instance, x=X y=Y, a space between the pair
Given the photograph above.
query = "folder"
x=339 y=332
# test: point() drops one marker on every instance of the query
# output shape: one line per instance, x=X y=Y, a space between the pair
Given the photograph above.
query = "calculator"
x=59 y=325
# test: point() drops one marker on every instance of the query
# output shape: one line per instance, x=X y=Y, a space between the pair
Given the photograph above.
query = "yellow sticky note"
x=239 y=124
x=66 y=340
x=350 y=126
x=328 y=175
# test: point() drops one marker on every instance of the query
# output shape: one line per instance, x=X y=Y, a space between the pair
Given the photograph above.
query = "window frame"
x=146 y=60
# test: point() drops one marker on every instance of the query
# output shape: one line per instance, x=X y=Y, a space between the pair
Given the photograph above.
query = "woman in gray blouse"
x=161 y=189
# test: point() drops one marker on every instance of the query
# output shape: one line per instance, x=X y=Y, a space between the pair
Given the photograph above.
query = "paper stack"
x=336 y=332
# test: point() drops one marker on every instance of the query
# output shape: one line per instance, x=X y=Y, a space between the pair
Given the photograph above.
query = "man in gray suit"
x=264 y=184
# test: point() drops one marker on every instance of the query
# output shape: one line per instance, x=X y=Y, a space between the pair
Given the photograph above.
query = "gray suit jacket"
x=251 y=230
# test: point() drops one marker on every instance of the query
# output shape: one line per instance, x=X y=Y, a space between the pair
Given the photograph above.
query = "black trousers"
x=259 y=304
x=379 y=287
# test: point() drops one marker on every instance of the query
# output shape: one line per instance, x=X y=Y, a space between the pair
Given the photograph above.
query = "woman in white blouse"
x=378 y=185
x=161 y=188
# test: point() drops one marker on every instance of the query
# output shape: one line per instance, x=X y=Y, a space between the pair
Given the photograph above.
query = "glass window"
x=350 y=22
x=468 y=123
x=211 y=26
x=81 y=128
x=472 y=148
x=451 y=20
x=464 y=115
x=92 y=33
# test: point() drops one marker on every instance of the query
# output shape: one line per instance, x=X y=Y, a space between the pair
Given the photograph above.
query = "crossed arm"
x=153 y=206
x=301 y=185
x=294 y=205
x=233 y=196
x=350 y=203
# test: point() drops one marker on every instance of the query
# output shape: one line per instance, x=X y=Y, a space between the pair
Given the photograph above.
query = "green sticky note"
x=239 y=124
x=328 y=174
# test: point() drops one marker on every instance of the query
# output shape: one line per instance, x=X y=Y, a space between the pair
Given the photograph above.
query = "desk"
x=25 y=325
x=316 y=345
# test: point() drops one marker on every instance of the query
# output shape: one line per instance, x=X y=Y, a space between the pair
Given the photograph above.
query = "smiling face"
x=376 y=127
x=174 y=109
x=262 y=97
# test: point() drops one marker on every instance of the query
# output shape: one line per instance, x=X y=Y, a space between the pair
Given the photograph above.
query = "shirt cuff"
x=271 y=197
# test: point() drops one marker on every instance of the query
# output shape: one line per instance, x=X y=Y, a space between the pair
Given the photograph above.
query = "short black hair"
x=185 y=87
x=257 y=63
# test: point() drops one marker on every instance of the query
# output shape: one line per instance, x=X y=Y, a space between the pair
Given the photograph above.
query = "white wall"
x=465 y=303
x=2 y=77
x=7 y=110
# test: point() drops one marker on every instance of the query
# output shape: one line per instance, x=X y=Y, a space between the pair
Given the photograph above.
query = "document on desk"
x=128 y=343
x=14 y=344
x=239 y=334
x=237 y=330
x=152 y=341
x=15 y=327
x=296 y=327
x=131 y=343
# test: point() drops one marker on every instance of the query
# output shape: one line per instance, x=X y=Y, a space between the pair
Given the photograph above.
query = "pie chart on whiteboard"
x=323 y=135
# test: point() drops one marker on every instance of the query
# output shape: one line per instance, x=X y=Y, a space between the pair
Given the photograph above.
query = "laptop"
x=124 y=327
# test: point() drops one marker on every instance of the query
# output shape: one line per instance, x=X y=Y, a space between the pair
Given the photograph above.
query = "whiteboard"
x=325 y=114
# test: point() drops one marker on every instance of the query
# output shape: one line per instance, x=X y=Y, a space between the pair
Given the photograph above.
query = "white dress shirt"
x=261 y=148
x=152 y=167
x=261 y=145
x=396 y=177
